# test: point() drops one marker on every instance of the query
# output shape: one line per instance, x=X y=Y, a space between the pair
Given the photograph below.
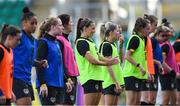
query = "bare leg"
x=152 y=97
x=91 y=99
x=23 y=101
x=98 y=97
x=109 y=99
x=116 y=100
x=173 y=97
x=165 y=97
x=144 y=96
x=178 y=97
x=102 y=100
x=138 y=98
x=131 y=98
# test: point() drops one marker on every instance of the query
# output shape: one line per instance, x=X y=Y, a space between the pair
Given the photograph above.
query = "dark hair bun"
x=164 y=20
x=26 y=10
x=145 y=16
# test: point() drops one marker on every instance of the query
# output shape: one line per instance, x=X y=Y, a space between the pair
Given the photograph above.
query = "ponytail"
x=41 y=30
x=102 y=31
x=106 y=28
x=82 y=22
x=79 y=29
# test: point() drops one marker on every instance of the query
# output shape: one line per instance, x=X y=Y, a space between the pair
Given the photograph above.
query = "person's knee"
x=165 y=100
x=152 y=99
x=108 y=102
x=131 y=101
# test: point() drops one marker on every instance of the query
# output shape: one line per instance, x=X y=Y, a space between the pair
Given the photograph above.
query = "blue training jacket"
x=54 y=74
x=24 y=55
x=157 y=54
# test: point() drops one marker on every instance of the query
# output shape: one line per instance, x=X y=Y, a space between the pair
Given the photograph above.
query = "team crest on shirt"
x=136 y=85
x=26 y=91
x=53 y=99
x=96 y=86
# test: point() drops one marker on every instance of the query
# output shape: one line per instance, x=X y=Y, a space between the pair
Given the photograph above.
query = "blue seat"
x=11 y=11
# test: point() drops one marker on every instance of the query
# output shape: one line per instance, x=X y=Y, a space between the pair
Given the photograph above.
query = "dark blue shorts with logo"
x=111 y=90
x=70 y=97
x=154 y=85
x=22 y=89
x=133 y=84
x=55 y=96
x=150 y=86
x=167 y=82
x=92 y=86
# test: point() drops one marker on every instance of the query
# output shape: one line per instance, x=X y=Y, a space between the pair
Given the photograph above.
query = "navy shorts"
x=55 y=96
x=178 y=84
x=92 y=86
x=145 y=85
x=154 y=85
x=70 y=98
x=111 y=90
x=22 y=89
x=132 y=84
x=167 y=82
x=7 y=103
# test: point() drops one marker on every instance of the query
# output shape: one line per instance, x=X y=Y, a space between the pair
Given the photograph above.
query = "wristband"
x=137 y=65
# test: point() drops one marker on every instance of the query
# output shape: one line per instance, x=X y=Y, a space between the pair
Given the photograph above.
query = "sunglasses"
x=166 y=34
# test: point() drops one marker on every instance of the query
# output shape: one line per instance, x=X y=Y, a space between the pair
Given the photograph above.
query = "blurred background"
x=123 y=12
